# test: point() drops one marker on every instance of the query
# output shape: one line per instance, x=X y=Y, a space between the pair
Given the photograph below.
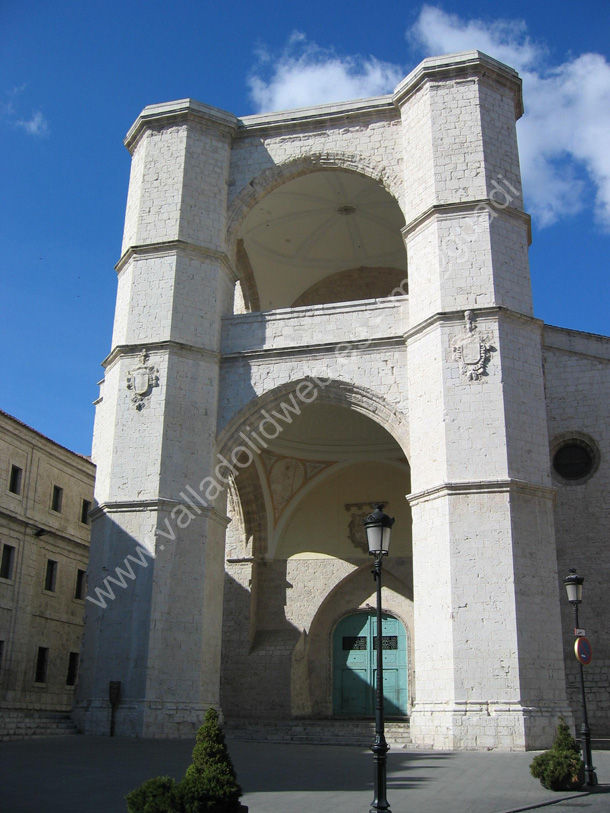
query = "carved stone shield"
x=141 y=380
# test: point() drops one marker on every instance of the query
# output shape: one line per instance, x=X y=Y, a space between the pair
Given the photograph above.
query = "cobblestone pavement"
x=93 y=774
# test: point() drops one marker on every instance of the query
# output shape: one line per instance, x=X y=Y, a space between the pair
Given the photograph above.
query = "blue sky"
x=74 y=75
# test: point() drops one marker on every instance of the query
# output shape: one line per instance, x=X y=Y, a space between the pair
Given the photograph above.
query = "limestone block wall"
x=577 y=377
x=286 y=671
x=317 y=325
x=359 y=344
x=178 y=182
x=32 y=616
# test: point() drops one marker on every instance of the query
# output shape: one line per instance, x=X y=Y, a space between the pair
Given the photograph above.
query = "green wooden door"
x=355 y=666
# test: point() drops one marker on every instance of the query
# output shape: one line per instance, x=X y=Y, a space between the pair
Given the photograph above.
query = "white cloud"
x=437 y=33
x=563 y=135
x=305 y=74
x=37 y=125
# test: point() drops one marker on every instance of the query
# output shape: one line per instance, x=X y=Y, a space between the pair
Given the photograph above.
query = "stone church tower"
x=318 y=309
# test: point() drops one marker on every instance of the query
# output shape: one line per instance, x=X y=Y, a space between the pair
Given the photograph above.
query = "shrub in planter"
x=561 y=768
x=158 y=795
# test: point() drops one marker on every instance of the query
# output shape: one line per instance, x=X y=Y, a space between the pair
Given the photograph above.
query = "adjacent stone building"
x=46 y=493
x=319 y=309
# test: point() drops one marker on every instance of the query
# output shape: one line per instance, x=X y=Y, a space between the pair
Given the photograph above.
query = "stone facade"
x=257 y=401
x=46 y=492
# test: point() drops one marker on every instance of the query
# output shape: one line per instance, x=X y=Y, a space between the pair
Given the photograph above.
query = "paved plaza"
x=93 y=774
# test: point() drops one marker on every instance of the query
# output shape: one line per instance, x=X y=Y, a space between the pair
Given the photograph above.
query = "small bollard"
x=114 y=695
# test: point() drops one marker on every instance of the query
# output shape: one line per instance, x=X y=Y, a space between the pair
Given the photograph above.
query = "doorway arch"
x=354 y=671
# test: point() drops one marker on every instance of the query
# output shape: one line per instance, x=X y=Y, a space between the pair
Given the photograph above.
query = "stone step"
x=18 y=724
x=359 y=733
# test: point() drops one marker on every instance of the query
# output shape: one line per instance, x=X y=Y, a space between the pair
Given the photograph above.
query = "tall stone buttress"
x=489 y=662
x=155 y=436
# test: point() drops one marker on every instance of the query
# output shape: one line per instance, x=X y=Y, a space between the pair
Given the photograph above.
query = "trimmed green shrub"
x=209 y=785
x=158 y=795
x=561 y=768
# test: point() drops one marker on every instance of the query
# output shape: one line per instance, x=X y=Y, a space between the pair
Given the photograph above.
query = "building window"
x=575 y=458
x=42 y=663
x=58 y=495
x=72 y=669
x=14 y=484
x=50 y=576
x=81 y=584
x=84 y=512
x=8 y=560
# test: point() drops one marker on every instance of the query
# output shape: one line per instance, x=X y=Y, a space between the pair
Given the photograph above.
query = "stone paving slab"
x=93 y=774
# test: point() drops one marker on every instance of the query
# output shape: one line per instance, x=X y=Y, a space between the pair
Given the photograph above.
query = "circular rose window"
x=575 y=459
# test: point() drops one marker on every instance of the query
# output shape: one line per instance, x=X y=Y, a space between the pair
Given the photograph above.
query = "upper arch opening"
x=326 y=236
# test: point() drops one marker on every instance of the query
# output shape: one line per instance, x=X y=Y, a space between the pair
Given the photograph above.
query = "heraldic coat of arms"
x=141 y=380
x=472 y=350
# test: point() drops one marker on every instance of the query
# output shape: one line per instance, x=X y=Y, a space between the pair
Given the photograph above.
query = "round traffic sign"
x=582 y=650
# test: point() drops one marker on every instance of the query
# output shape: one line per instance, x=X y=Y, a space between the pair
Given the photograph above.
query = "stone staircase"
x=359 y=733
x=21 y=724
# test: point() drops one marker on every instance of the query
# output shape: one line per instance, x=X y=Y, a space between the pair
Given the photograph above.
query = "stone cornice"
x=172 y=247
x=577 y=343
x=25 y=433
x=468 y=207
x=317 y=350
x=170 y=113
x=465 y=487
x=163 y=504
x=164 y=346
x=457 y=317
x=306 y=118
x=460 y=66
x=24 y=523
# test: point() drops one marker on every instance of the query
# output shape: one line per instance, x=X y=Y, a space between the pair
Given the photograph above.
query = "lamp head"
x=378 y=528
x=573 y=584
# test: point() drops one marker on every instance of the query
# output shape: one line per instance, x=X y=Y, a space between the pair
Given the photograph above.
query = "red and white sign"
x=582 y=650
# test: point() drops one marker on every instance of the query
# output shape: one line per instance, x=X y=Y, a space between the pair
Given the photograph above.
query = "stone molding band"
x=163 y=504
x=318 y=350
x=168 y=114
x=172 y=247
x=466 y=65
x=464 y=487
x=457 y=317
x=304 y=119
x=488 y=707
x=468 y=207
x=135 y=349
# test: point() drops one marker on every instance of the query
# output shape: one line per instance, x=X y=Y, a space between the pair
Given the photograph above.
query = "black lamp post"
x=378 y=529
x=573 y=585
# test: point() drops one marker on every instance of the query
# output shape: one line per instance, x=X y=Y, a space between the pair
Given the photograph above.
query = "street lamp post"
x=378 y=529
x=573 y=585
